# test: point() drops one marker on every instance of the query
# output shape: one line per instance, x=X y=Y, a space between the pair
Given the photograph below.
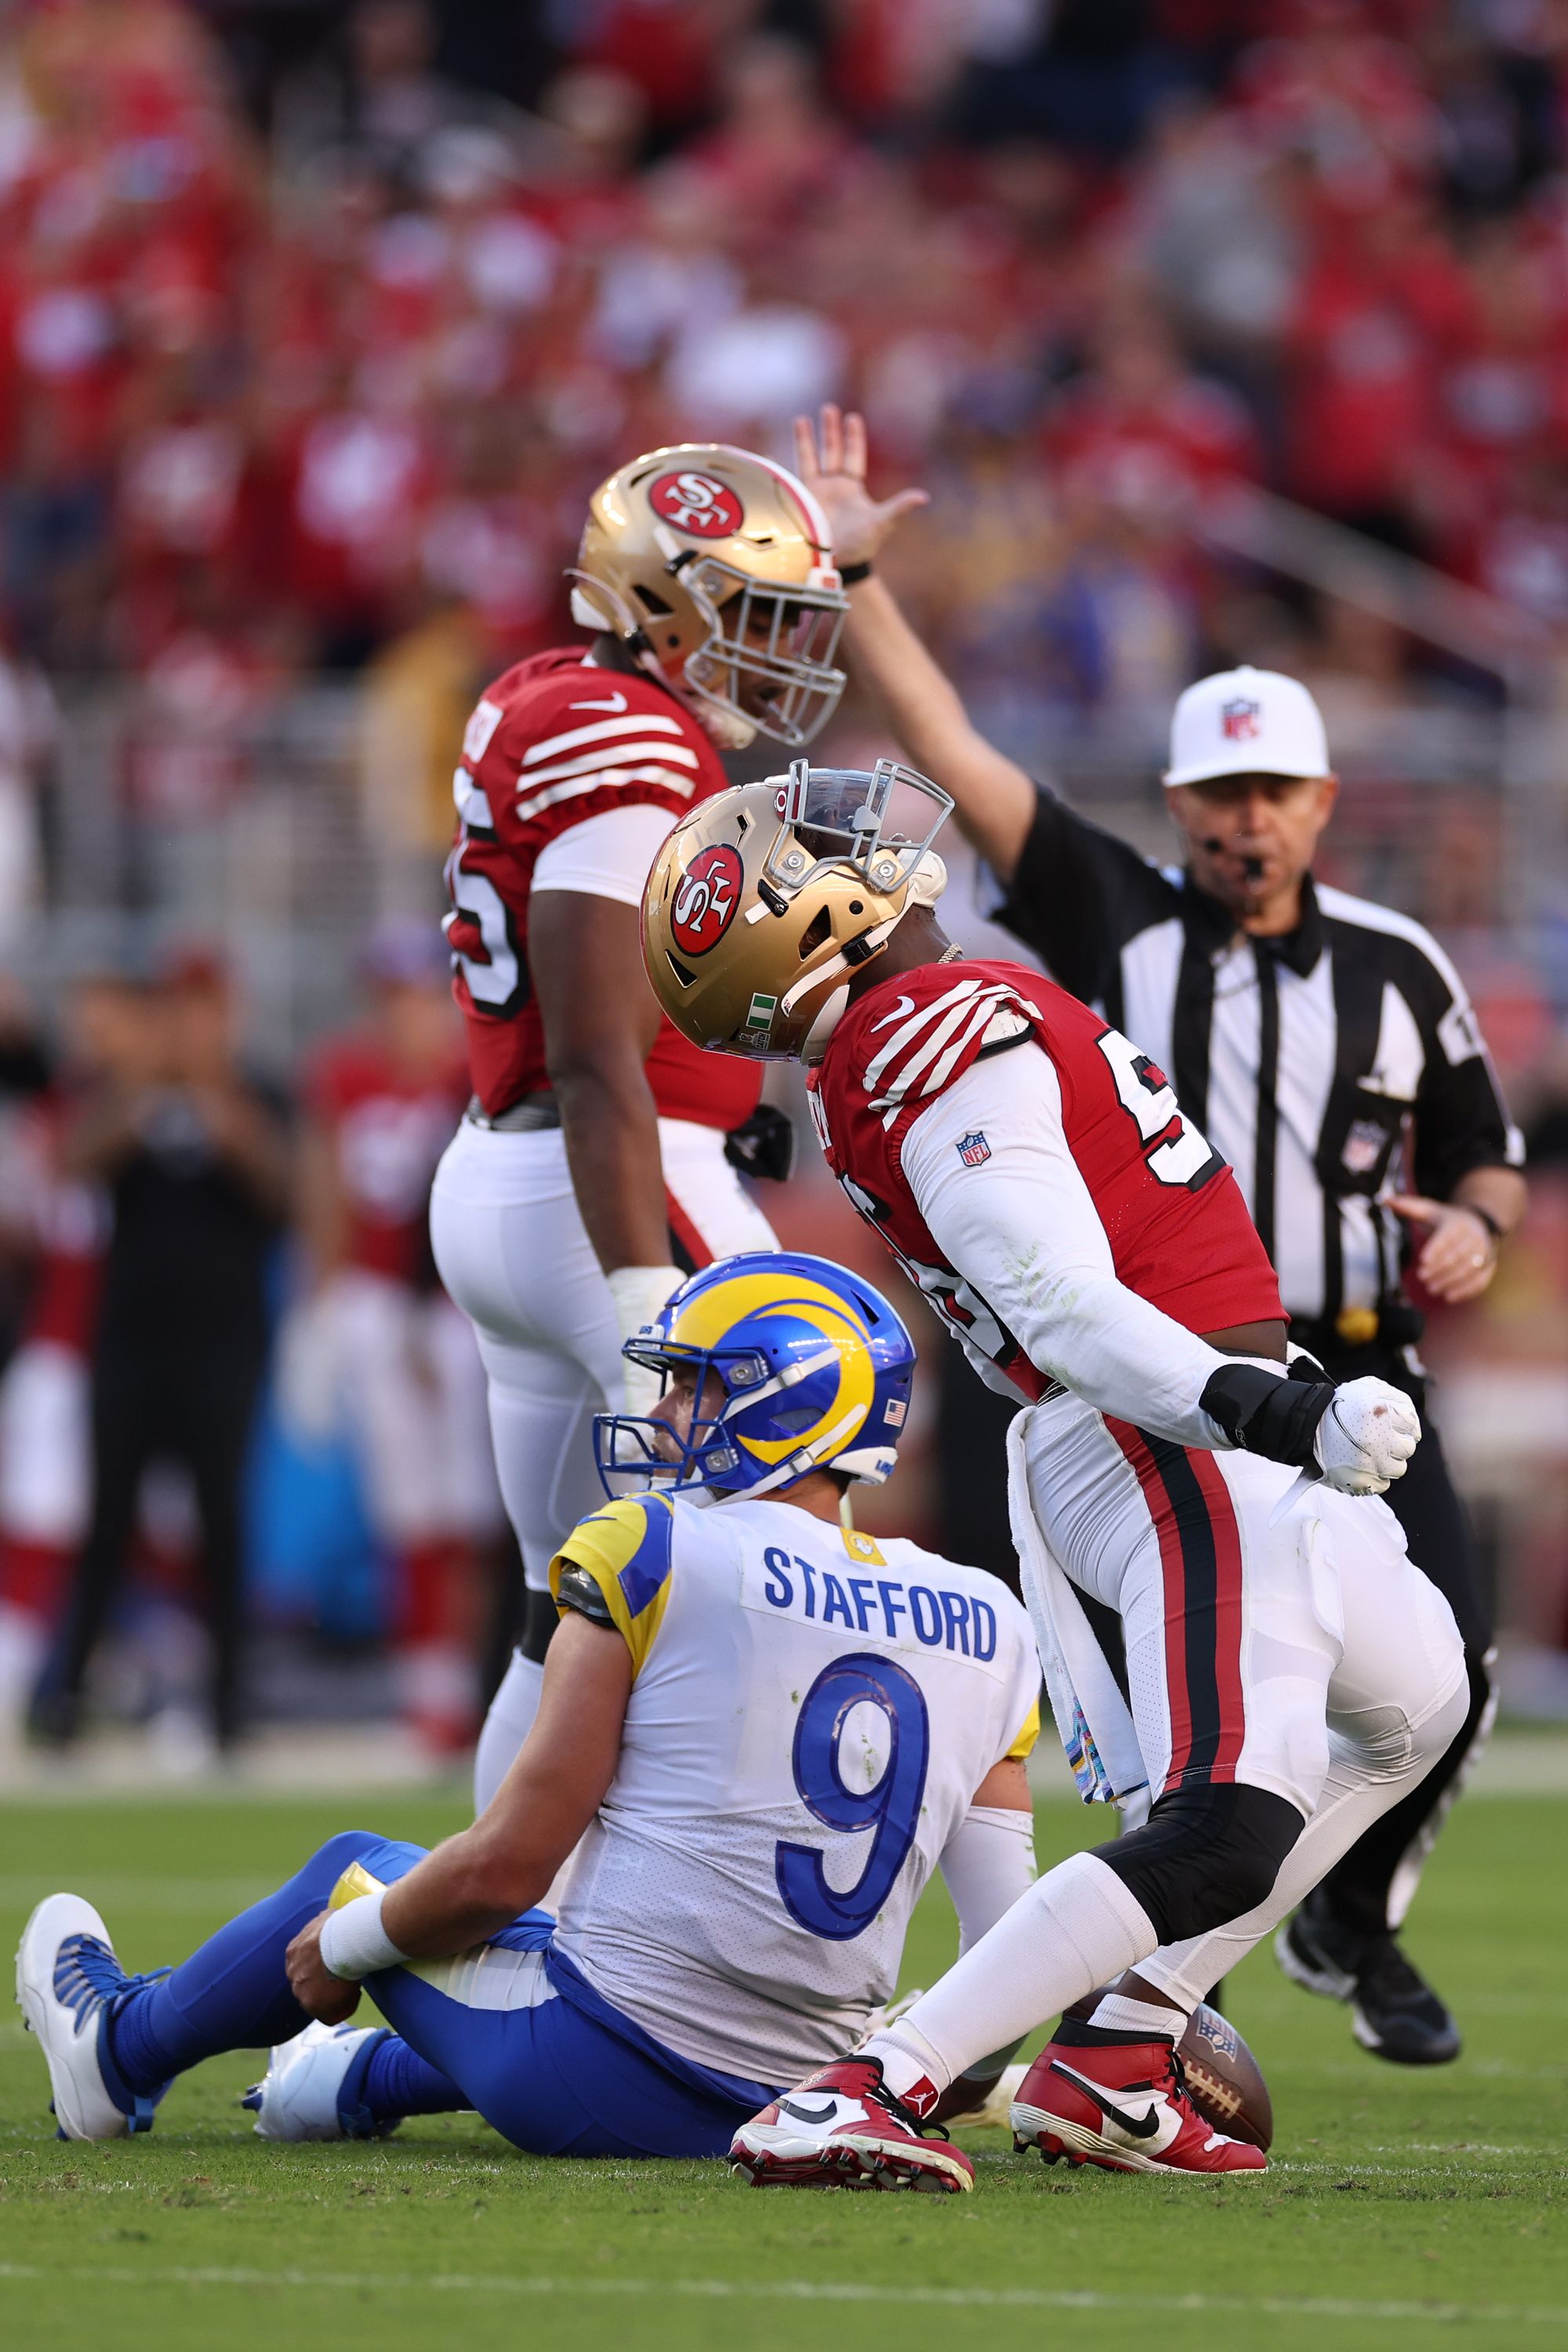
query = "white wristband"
x=354 y=1944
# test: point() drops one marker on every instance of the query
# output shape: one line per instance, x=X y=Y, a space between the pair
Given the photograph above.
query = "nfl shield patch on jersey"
x=974 y=1150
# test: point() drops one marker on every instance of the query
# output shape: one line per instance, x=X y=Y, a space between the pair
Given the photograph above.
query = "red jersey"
x=1179 y=1233
x=386 y=1132
x=557 y=740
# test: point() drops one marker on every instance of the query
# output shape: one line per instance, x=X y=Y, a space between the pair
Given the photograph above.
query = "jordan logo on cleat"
x=1140 y=2127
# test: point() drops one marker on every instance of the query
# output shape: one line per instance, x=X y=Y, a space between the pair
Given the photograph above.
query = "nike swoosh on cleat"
x=1140 y=2126
x=823 y=2115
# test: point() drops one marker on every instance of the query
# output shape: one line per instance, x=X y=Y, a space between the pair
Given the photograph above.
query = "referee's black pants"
x=1361 y=1889
x=198 y=1405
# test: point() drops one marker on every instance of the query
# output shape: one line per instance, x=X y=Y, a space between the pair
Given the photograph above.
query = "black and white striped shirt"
x=1331 y=1067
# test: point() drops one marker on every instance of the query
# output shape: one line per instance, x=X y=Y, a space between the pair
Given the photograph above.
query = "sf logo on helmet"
x=706 y=898
x=696 y=503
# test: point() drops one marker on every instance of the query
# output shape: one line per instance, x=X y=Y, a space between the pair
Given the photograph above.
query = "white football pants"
x=1307 y=1656
x=1249 y=1640
x=512 y=1251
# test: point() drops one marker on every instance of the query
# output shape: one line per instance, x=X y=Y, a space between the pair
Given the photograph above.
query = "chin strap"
x=813 y=1045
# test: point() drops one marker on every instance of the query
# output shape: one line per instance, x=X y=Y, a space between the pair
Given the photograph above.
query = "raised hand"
x=830 y=459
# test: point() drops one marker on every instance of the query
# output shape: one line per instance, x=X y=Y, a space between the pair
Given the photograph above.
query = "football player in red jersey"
x=591 y=1168
x=378 y=1351
x=1034 y=1174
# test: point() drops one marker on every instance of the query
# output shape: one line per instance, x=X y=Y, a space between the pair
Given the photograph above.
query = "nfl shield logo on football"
x=1239 y=720
x=974 y=1150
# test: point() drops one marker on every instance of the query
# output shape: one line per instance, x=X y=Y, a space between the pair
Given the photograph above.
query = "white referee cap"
x=1246 y=722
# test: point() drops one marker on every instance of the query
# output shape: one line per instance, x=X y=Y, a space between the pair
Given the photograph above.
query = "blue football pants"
x=549 y=2076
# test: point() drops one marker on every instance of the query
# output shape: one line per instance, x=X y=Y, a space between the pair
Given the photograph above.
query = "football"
x=1224 y=2079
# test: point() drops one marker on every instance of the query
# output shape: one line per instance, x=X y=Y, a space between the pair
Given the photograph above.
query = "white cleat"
x=67 y=1981
x=298 y=2097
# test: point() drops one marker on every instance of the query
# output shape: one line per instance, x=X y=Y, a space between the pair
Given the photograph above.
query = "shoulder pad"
x=929 y=1037
x=627 y=1551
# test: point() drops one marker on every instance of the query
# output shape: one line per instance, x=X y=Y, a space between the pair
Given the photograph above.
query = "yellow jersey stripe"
x=626 y=1550
x=1023 y=1746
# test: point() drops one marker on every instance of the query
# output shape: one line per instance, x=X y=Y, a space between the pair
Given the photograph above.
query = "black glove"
x=764 y=1146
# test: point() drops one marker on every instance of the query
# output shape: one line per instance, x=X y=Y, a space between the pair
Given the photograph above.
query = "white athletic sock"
x=1153 y=2020
x=505 y=1726
x=909 y=2062
x=1077 y=1927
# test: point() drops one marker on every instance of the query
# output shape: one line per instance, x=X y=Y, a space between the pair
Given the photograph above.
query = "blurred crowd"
x=234 y=1393
x=316 y=326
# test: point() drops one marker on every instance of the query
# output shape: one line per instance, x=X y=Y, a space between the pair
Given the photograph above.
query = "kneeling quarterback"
x=760 y=1731
x=1291 y=1673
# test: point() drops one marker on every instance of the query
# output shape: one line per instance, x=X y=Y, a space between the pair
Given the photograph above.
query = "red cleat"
x=1123 y=2106
x=842 y=2129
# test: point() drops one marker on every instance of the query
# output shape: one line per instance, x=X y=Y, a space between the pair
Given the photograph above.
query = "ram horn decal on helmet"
x=764 y=901
x=713 y=568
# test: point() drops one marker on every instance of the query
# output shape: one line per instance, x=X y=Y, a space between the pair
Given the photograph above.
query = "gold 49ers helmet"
x=764 y=900
x=714 y=569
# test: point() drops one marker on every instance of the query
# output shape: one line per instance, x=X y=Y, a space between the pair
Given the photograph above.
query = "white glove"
x=1366 y=1437
x=639 y=1292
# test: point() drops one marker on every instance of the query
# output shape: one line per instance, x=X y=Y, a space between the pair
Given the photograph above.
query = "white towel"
x=1093 y=1720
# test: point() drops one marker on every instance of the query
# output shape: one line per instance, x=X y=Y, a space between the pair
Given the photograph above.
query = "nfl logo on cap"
x=1246 y=722
x=974 y=1150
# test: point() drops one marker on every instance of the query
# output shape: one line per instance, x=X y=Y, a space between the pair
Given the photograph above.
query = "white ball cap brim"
x=1246 y=722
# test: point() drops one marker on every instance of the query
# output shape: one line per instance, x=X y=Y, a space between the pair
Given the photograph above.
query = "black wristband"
x=1474 y=1209
x=1265 y=1415
x=851 y=575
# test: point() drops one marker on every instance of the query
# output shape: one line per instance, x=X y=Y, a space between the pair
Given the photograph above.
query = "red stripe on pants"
x=1227 y=1612
x=1173 y=1569
x=1194 y=1523
x=685 y=1233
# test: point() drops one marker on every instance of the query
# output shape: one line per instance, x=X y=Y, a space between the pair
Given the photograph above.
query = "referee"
x=1324 y=1043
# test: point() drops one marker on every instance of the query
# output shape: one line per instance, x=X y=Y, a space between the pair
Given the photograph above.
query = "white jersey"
x=811 y=1714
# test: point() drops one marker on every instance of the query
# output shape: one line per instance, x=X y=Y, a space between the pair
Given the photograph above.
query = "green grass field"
x=1405 y=2208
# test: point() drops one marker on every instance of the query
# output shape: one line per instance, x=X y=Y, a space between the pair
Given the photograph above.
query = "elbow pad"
x=1274 y=1414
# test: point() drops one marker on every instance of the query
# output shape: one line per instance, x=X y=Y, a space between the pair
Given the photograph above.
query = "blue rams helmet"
x=816 y=1370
